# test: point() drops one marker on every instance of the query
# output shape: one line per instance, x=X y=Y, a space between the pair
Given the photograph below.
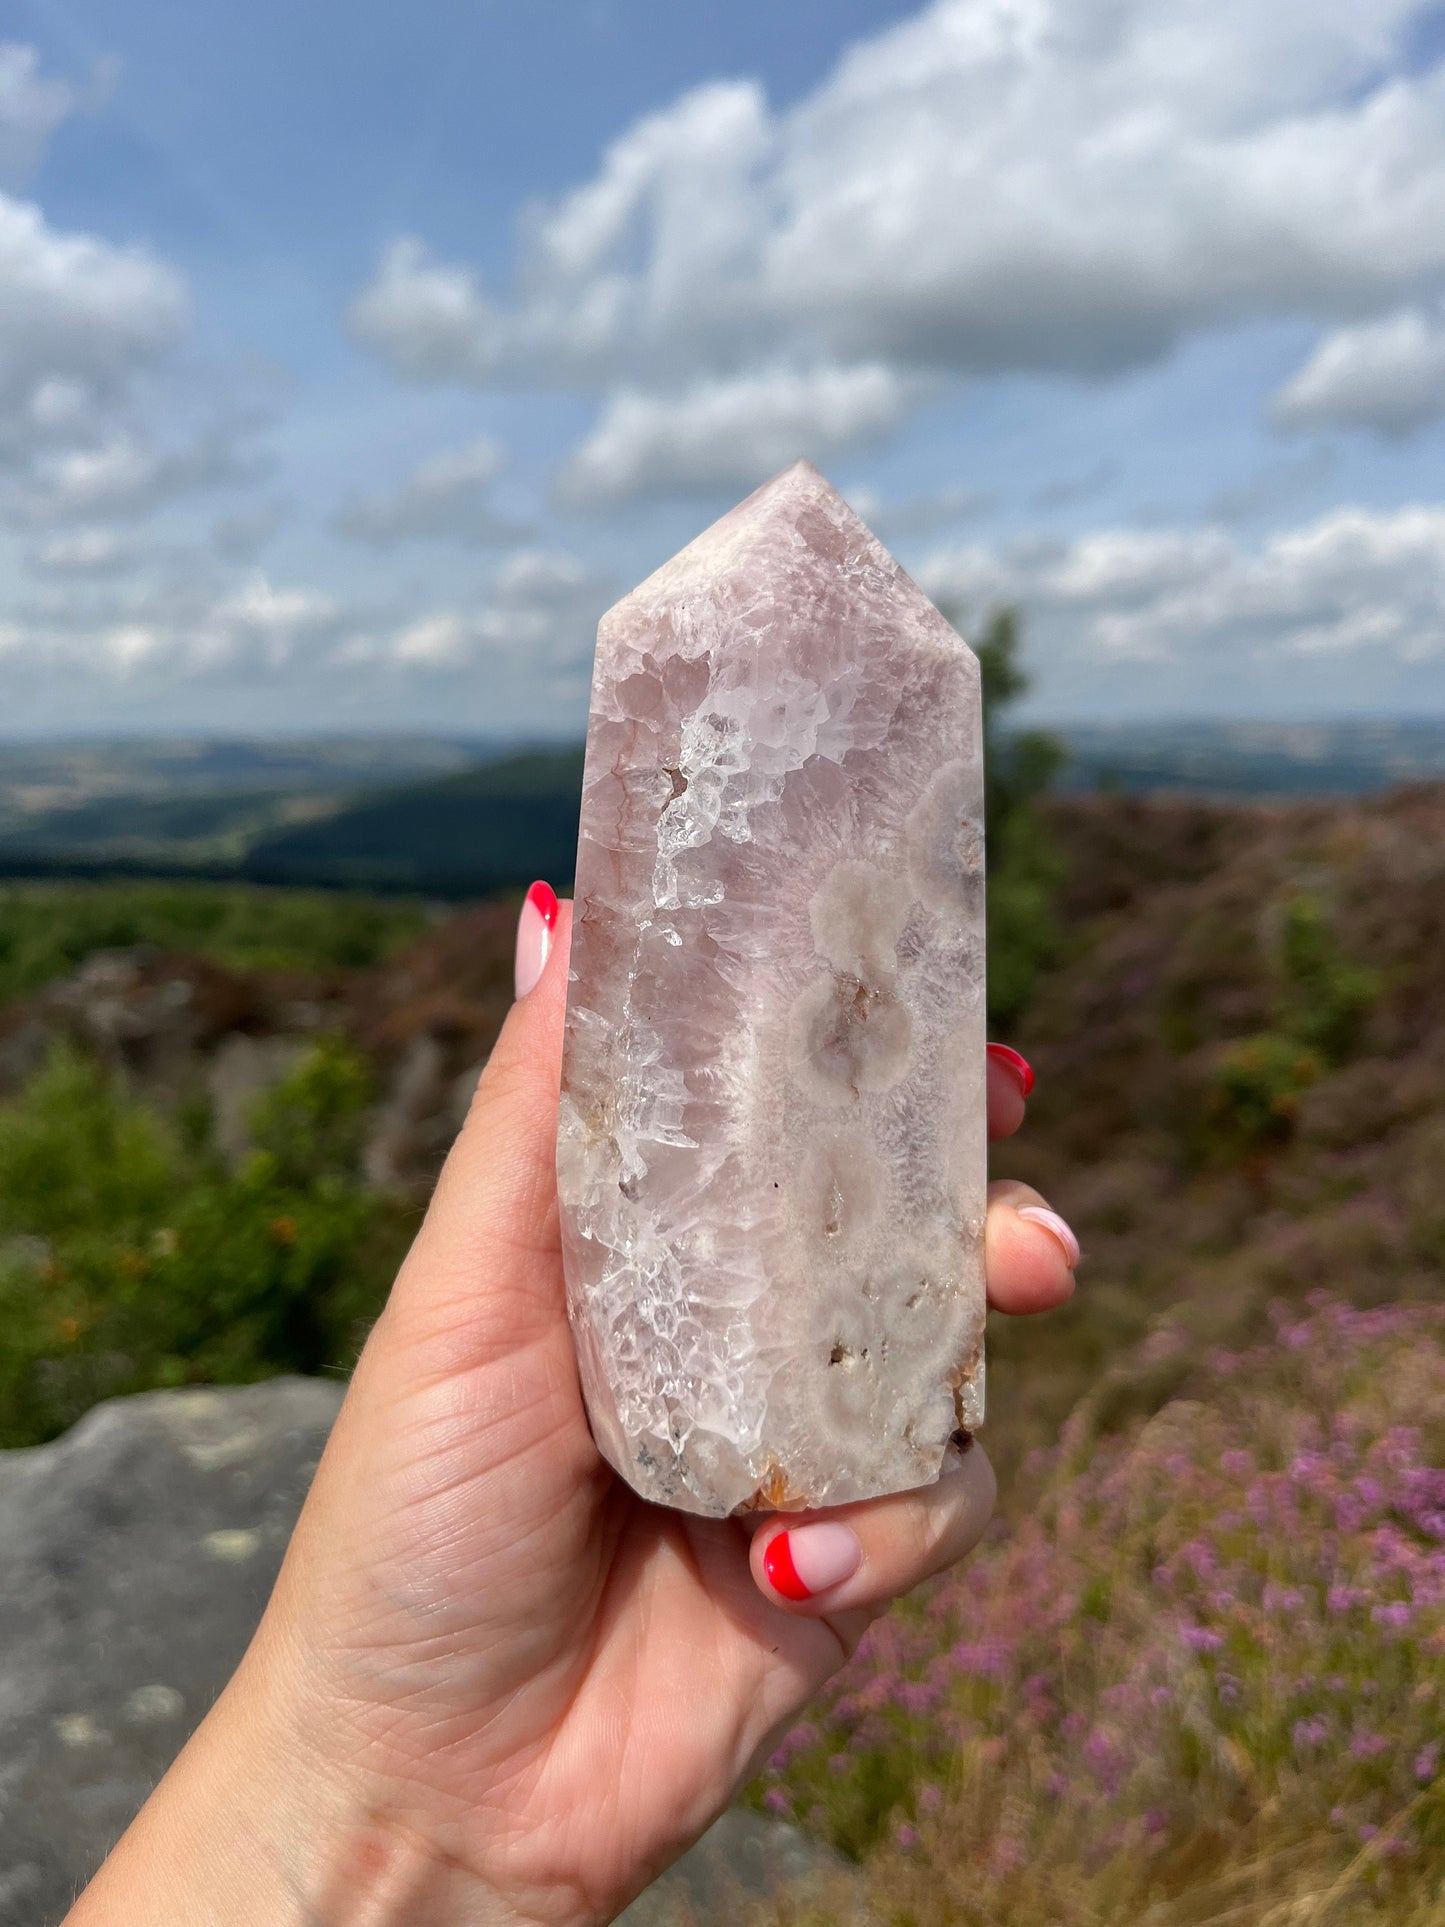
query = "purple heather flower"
x=1008 y=1856
x=1397 y=1615
x=1343 y=1599
x=1201 y=1639
x=1288 y=1600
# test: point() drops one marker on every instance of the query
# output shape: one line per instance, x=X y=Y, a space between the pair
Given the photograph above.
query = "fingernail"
x=534 y=936
x=1017 y=1066
x=810 y=1559
x=1055 y=1226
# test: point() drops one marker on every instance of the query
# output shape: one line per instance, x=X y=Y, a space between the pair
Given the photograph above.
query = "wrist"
x=251 y=1828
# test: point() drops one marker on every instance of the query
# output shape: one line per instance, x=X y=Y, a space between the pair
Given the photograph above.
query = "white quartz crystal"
x=771 y=1153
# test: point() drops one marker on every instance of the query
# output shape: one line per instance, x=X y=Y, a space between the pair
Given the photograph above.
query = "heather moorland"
x=1195 y=1674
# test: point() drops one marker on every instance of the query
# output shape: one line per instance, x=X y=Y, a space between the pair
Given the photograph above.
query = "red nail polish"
x=534 y=936
x=782 y=1573
x=1019 y=1067
x=543 y=899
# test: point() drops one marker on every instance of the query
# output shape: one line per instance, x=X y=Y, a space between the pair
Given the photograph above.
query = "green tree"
x=1024 y=867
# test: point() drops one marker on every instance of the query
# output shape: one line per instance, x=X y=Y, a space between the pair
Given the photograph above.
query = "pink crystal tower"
x=771 y=1149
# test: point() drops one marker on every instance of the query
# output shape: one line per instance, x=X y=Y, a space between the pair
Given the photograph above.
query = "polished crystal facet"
x=771 y=1149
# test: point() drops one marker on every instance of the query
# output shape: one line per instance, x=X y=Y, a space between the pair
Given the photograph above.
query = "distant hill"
x=455 y=819
x=439 y=815
x=503 y=824
x=42 y=775
x=1253 y=759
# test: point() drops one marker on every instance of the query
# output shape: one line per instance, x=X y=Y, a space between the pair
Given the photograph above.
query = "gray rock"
x=138 y=1552
x=241 y=1072
x=136 y=1555
x=741 y=1860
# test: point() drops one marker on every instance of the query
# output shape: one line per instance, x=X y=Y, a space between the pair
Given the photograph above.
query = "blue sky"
x=352 y=359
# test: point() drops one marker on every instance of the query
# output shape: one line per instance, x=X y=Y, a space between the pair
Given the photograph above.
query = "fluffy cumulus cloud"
x=449 y=496
x=84 y=552
x=1056 y=186
x=123 y=478
x=79 y=317
x=1387 y=375
x=539 y=615
x=1357 y=588
x=88 y=337
x=83 y=323
x=726 y=433
x=168 y=627
x=119 y=636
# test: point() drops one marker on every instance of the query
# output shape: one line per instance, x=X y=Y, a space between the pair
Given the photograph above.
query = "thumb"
x=488 y=1250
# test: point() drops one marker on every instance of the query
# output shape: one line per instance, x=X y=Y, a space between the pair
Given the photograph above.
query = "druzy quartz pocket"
x=771 y=1150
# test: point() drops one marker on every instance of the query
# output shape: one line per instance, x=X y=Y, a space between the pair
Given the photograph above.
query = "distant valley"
x=459 y=817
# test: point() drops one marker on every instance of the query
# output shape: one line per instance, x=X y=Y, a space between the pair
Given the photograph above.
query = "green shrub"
x=1256 y=1087
x=1323 y=997
x=47 y=929
x=1321 y=1002
x=131 y=1257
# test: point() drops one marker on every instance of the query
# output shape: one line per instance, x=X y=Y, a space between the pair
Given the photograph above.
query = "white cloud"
x=31 y=108
x=124 y=477
x=729 y=433
x=541 y=612
x=78 y=319
x=1388 y=375
x=448 y=495
x=677 y=186
x=261 y=622
x=429 y=320
x=1360 y=584
x=544 y=578
x=84 y=551
x=164 y=620
x=441 y=641
x=177 y=626
x=919 y=515
x=1066 y=186
x=129 y=646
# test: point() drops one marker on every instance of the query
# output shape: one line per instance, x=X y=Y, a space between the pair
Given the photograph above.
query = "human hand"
x=493 y=1685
